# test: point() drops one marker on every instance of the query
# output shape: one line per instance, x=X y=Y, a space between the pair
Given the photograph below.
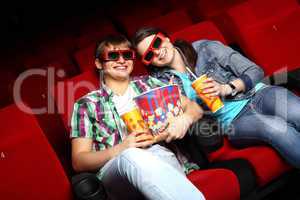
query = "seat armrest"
x=86 y=186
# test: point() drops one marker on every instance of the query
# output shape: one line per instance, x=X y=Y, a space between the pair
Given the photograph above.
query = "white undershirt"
x=125 y=102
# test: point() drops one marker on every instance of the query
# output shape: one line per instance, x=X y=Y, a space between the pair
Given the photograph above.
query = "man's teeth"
x=120 y=67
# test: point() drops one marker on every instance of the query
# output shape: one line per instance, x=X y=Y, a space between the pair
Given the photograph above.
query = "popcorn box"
x=159 y=105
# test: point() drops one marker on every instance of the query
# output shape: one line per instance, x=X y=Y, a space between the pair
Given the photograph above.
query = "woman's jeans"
x=152 y=173
x=273 y=117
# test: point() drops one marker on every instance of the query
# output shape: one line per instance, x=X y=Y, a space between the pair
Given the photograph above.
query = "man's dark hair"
x=113 y=39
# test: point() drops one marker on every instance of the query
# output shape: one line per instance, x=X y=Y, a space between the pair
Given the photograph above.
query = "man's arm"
x=246 y=71
x=84 y=159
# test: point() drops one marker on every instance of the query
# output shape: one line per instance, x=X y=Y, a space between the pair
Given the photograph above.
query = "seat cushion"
x=267 y=163
x=210 y=182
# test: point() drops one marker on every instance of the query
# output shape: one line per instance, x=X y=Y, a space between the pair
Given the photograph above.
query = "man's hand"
x=138 y=140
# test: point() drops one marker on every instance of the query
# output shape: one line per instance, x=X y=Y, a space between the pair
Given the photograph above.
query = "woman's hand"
x=213 y=88
x=178 y=127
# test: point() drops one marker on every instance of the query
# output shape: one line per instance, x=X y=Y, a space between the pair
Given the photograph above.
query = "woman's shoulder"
x=207 y=44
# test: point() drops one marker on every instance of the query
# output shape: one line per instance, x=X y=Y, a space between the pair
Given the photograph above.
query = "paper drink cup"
x=158 y=106
x=213 y=103
x=134 y=121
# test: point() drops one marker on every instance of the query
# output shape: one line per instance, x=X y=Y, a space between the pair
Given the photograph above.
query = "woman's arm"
x=245 y=70
x=178 y=126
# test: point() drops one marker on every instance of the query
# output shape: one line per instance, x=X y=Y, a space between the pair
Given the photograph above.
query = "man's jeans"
x=152 y=173
x=273 y=117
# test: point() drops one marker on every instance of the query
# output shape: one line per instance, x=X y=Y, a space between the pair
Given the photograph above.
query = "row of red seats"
x=73 y=53
x=57 y=134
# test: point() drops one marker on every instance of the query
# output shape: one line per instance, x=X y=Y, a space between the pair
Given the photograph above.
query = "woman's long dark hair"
x=185 y=48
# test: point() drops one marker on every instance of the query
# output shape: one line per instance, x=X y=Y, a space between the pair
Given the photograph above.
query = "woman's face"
x=163 y=56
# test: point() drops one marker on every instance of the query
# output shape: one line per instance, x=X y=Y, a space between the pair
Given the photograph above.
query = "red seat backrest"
x=85 y=58
x=202 y=30
x=171 y=22
x=93 y=32
x=29 y=168
x=67 y=92
x=253 y=12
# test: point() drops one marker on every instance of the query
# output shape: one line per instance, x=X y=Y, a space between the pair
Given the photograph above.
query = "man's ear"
x=98 y=64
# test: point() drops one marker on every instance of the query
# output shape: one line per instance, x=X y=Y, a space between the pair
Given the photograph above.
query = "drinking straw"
x=190 y=71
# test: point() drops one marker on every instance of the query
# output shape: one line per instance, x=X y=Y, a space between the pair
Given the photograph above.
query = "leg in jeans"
x=273 y=117
x=155 y=173
x=281 y=102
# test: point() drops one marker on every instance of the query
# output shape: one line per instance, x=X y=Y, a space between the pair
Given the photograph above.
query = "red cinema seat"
x=258 y=155
x=267 y=163
x=210 y=181
x=8 y=77
x=171 y=22
x=202 y=30
x=32 y=93
x=68 y=91
x=44 y=60
x=268 y=33
x=252 y=12
x=208 y=9
x=179 y=4
x=93 y=31
x=29 y=168
x=85 y=57
x=139 y=68
x=131 y=15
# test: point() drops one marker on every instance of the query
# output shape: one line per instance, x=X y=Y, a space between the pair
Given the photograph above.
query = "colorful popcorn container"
x=158 y=106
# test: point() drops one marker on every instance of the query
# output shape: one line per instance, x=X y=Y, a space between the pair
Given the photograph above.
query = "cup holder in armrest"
x=86 y=186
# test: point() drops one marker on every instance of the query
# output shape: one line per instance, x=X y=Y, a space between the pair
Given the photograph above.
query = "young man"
x=129 y=166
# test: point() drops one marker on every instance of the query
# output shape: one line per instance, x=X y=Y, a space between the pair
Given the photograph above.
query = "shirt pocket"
x=106 y=121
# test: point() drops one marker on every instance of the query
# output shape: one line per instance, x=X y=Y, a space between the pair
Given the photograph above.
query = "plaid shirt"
x=95 y=116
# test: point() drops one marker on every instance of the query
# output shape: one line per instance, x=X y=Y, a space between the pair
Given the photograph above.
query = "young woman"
x=253 y=111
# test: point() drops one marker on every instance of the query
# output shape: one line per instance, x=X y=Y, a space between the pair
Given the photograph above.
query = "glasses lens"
x=157 y=43
x=128 y=55
x=113 y=55
x=149 y=56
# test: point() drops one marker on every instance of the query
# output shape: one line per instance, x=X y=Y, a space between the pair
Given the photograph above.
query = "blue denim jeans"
x=152 y=173
x=273 y=117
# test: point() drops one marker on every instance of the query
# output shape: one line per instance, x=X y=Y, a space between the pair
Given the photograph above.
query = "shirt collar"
x=105 y=91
